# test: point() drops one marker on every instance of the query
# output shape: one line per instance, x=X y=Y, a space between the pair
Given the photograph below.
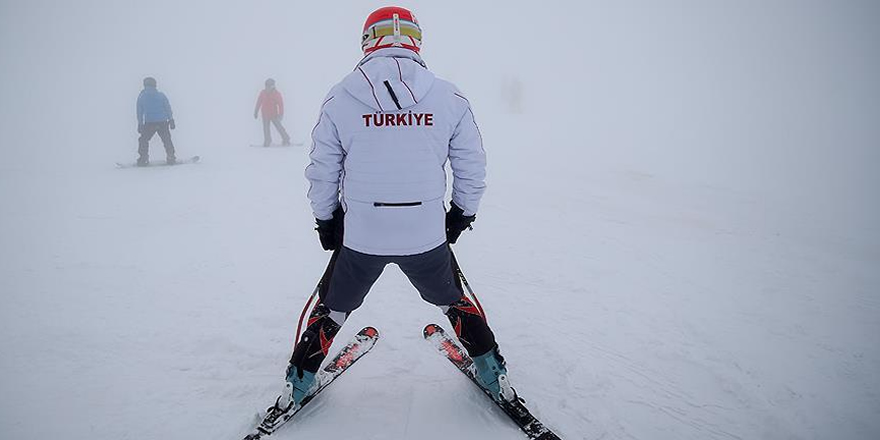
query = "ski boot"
x=478 y=340
x=171 y=160
x=491 y=374
x=323 y=325
x=297 y=385
x=143 y=161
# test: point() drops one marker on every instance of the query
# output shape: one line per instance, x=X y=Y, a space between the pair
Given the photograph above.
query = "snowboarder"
x=271 y=104
x=154 y=116
x=385 y=134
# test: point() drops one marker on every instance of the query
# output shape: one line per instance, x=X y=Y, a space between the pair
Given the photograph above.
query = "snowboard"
x=292 y=144
x=157 y=163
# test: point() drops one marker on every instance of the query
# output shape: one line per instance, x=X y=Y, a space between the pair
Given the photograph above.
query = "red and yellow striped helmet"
x=391 y=26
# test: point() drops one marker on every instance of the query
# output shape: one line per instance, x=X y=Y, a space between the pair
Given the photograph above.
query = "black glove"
x=457 y=222
x=140 y=128
x=171 y=124
x=330 y=231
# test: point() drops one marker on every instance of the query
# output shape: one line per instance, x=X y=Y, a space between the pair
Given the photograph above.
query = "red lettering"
x=398 y=120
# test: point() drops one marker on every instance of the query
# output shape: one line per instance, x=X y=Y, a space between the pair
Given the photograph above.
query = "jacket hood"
x=389 y=80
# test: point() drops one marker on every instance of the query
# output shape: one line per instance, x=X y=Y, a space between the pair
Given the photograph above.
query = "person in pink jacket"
x=271 y=104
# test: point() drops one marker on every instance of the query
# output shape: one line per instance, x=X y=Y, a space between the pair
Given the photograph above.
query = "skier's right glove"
x=140 y=128
x=171 y=124
x=457 y=222
x=330 y=231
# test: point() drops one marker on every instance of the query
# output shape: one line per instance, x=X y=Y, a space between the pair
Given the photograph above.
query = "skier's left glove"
x=330 y=231
x=171 y=124
x=457 y=222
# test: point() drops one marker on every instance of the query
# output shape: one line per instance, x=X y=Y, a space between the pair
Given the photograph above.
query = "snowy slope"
x=675 y=244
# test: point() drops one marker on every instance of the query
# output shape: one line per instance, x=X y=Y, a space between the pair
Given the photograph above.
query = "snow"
x=679 y=240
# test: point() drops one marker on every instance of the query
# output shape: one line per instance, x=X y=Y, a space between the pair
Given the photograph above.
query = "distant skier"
x=154 y=116
x=271 y=104
x=385 y=134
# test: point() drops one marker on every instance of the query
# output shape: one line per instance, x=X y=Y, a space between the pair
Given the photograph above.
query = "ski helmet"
x=270 y=82
x=149 y=82
x=391 y=26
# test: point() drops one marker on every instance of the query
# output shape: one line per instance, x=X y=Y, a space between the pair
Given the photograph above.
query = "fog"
x=776 y=104
x=778 y=97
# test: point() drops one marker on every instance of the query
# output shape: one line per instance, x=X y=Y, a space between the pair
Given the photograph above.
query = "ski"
x=347 y=356
x=191 y=160
x=515 y=409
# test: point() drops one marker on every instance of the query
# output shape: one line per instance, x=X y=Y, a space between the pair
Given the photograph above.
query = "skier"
x=154 y=116
x=271 y=104
x=385 y=134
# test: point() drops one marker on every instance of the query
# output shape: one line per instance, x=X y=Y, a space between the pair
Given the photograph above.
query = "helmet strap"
x=396 y=23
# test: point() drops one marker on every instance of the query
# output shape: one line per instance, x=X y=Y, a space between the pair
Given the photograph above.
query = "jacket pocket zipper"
x=396 y=205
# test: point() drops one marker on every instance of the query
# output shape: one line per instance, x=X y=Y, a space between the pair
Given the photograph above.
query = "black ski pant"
x=353 y=274
x=432 y=273
x=147 y=132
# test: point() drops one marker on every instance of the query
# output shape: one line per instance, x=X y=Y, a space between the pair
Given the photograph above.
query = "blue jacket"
x=152 y=106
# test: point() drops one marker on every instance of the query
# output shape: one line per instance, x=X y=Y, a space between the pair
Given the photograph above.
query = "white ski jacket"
x=381 y=143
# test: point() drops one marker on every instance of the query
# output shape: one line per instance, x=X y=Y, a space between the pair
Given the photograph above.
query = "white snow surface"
x=679 y=241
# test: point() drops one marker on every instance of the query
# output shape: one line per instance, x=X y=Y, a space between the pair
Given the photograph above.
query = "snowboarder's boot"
x=311 y=350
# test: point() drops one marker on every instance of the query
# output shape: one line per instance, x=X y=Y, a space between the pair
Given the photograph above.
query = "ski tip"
x=369 y=332
x=431 y=329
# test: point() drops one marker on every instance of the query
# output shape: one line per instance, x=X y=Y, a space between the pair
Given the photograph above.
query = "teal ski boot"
x=491 y=374
x=296 y=388
x=299 y=386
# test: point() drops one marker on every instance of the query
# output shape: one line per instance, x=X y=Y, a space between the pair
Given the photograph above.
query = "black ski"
x=515 y=409
x=347 y=356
